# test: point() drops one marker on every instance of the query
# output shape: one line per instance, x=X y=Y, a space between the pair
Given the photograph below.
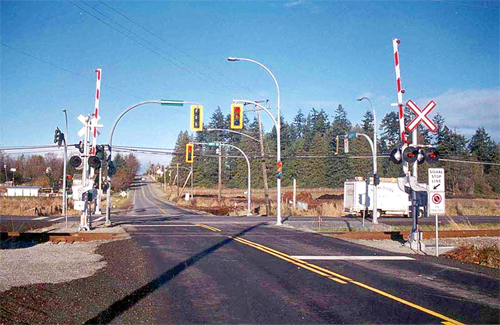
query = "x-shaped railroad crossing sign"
x=421 y=116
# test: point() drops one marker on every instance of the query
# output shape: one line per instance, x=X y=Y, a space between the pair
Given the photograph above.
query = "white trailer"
x=391 y=200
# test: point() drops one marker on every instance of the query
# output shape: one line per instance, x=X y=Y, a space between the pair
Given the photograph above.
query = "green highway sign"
x=213 y=144
x=172 y=102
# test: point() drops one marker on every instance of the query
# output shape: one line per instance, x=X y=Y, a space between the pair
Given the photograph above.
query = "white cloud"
x=294 y=3
x=466 y=110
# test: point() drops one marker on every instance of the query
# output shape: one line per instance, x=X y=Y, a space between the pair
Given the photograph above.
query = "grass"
x=473 y=207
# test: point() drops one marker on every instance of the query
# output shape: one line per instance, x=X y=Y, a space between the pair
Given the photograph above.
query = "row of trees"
x=309 y=146
x=47 y=170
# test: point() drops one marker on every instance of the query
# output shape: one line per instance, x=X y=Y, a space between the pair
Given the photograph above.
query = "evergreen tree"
x=390 y=138
x=367 y=123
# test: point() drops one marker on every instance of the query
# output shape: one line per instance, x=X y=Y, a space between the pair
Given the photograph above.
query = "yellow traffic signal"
x=189 y=153
x=196 y=118
x=236 y=116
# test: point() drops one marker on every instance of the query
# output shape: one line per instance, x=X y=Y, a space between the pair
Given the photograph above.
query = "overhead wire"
x=146 y=46
x=67 y=70
x=177 y=48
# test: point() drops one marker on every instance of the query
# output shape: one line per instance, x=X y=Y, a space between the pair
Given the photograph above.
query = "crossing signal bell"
x=236 y=116
x=196 y=118
x=189 y=153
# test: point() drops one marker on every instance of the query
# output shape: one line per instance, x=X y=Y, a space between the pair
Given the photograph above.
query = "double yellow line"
x=339 y=278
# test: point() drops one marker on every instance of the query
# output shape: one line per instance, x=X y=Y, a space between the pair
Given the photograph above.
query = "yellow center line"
x=327 y=273
x=207 y=227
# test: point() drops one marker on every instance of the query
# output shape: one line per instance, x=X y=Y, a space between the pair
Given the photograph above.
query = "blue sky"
x=322 y=53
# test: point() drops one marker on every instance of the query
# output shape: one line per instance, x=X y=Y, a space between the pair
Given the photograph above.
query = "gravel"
x=48 y=263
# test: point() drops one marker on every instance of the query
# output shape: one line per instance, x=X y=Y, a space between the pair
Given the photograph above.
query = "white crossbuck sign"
x=421 y=116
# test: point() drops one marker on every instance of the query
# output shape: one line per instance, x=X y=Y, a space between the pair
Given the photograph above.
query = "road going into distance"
x=206 y=269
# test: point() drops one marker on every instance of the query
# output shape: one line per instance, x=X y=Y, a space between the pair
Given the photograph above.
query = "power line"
x=145 y=46
x=67 y=70
x=178 y=49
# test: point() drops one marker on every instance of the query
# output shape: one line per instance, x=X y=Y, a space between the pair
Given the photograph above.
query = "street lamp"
x=278 y=131
x=374 y=152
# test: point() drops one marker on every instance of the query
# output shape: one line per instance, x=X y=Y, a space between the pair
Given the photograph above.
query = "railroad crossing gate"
x=436 y=191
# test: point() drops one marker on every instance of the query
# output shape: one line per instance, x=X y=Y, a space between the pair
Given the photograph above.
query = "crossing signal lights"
x=189 y=153
x=94 y=162
x=236 y=116
x=196 y=118
x=431 y=155
x=75 y=161
x=410 y=154
x=413 y=154
x=58 y=137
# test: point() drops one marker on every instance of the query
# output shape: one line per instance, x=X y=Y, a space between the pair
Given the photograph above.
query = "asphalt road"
x=246 y=270
x=206 y=269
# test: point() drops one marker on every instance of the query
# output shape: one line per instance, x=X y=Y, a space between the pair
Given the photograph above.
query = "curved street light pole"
x=110 y=145
x=249 y=197
x=278 y=128
x=374 y=151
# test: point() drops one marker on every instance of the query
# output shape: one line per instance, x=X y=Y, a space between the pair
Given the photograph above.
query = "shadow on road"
x=122 y=305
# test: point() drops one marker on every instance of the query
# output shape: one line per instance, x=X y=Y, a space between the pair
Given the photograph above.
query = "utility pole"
x=178 y=193
x=219 y=193
x=264 y=168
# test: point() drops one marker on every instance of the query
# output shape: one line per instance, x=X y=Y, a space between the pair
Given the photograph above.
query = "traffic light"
x=94 y=162
x=396 y=156
x=99 y=152
x=75 y=161
x=410 y=154
x=236 y=116
x=431 y=155
x=189 y=153
x=196 y=118
x=58 y=137
x=111 y=168
x=376 y=179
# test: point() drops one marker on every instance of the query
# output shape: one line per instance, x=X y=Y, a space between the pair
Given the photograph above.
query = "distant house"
x=23 y=190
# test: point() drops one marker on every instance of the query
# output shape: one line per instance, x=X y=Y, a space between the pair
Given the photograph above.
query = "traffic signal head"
x=431 y=155
x=111 y=168
x=99 y=152
x=58 y=137
x=410 y=154
x=236 y=116
x=196 y=118
x=189 y=153
x=75 y=161
x=94 y=162
x=396 y=156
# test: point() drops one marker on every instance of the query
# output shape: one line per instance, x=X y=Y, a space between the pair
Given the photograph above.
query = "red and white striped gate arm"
x=395 y=43
x=96 y=111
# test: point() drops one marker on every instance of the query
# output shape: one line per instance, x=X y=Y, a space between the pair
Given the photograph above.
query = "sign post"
x=436 y=197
